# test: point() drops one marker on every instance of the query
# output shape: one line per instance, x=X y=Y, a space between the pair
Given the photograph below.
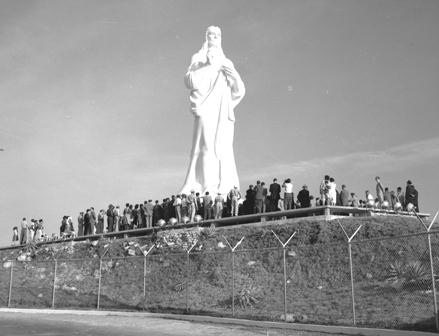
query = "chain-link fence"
x=385 y=283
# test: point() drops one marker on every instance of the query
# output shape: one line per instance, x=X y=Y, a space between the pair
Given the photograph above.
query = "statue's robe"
x=213 y=99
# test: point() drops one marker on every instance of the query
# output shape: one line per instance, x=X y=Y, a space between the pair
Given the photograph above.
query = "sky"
x=94 y=110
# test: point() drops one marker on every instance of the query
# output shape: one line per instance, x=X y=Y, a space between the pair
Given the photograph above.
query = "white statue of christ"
x=216 y=88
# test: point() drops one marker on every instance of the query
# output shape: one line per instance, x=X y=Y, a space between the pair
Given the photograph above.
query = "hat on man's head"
x=305 y=186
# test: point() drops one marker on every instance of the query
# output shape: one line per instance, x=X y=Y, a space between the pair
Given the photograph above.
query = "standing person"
x=184 y=206
x=369 y=198
x=324 y=191
x=70 y=230
x=125 y=221
x=177 y=207
x=288 y=194
x=275 y=190
x=31 y=229
x=354 y=201
x=100 y=223
x=411 y=195
x=142 y=215
x=192 y=205
x=15 y=238
x=388 y=196
x=39 y=227
x=149 y=208
x=200 y=205
x=24 y=231
x=135 y=215
x=393 y=199
x=117 y=219
x=264 y=197
x=344 y=196
x=379 y=190
x=234 y=196
x=92 y=220
x=81 y=224
x=208 y=202
x=127 y=210
x=166 y=209
x=110 y=218
x=157 y=213
x=87 y=223
x=280 y=206
x=303 y=197
x=250 y=200
x=62 y=228
x=219 y=206
x=259 y=197
x=332 y=191
x=400 y=196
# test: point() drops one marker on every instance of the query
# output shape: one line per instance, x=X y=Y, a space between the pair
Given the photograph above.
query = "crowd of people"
x=193 y=207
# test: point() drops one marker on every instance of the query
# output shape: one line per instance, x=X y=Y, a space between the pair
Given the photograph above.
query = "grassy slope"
x=318 y=276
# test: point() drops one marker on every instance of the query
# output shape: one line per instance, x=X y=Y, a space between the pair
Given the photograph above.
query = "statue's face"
x=213 y=36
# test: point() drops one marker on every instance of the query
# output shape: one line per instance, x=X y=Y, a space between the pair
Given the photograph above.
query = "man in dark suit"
x=303 y=197
x=87 y=227
x=274 y=195
x=411 y=195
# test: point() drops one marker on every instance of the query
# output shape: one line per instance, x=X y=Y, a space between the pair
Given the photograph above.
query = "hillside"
x=318 y=287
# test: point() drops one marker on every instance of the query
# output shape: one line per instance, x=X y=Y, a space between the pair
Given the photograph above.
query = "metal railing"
x=326 y=211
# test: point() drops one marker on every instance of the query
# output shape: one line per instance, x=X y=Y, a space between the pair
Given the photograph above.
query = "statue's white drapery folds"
x=215 y=90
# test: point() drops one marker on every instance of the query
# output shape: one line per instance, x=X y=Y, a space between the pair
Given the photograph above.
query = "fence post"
x=351 y=268
x=99 y=283
x=54 y=284
x=233 y=283
x=144 y=277
x=284 y=249
x=232 y=249
x=10 y=284
x=145 y=253
x=187 y=274
x=433 y=282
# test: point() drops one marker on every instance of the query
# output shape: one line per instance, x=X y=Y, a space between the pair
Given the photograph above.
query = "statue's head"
x=213 y=36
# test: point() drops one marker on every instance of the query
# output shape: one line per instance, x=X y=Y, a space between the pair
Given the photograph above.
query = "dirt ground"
x=22 y=324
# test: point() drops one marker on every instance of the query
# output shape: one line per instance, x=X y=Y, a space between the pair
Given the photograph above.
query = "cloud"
x=392 y=159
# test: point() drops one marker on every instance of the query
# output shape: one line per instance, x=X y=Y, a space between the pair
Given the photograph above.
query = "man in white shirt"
x=234 y=196
x=288 y=194
x=219 y=205
x=177 y=207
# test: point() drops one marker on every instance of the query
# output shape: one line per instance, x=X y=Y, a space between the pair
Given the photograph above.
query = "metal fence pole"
x=187 y=281
x=285 y=283
x=144 y=277
x=352 y=282
x=351 y=267
x=188 y=263
x=284 y=248
x=433 y=282
x=232 y=249
x=10 y=284
x=233 y=283
x=54 y=284
x=99 y=283
x=145 y=254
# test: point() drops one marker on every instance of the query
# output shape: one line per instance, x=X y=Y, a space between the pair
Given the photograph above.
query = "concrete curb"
x=222 y=320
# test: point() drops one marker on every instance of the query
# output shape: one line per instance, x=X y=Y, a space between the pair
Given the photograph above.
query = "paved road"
x=22 y=324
